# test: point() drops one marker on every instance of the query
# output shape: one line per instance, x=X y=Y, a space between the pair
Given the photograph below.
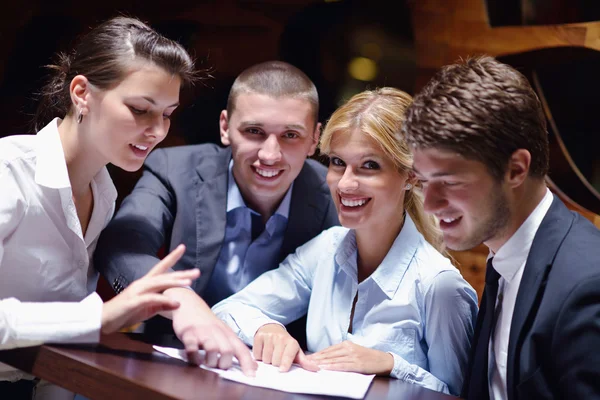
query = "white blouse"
x=47 y=282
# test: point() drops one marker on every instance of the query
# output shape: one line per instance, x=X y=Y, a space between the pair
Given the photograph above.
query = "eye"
x=371 y=165
x=291 y=135
x=450 y=183
x=336 y=161
x=253 y=131
x=137 y=111
x=166 y=116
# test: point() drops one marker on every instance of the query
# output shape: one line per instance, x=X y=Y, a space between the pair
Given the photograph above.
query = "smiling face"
x=471 y=205
x=126 y=122
x=367 y=188
x=270 y=139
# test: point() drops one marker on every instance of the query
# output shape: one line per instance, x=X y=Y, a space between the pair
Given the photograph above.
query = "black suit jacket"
x=554 y=344
x=182 y=198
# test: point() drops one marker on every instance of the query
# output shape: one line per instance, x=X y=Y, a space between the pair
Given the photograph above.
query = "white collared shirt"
x=45 y=274
x=510 y=261
x=415 y=306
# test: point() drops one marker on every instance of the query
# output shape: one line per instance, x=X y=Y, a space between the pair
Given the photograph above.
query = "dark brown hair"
x=483 y=110
x=105 y=56
x=276 y=79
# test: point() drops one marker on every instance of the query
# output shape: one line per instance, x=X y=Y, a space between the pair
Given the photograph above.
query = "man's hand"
x=351 y=357
x=198 y=328
x=143 y=298
x=274 y=345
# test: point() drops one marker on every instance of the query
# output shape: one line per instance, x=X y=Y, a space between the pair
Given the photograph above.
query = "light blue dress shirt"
x=416 y=305
x=241 y=260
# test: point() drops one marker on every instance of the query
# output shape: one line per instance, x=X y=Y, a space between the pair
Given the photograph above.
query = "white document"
x=296 y=380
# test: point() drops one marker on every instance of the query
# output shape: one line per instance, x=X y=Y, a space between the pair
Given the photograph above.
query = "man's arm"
x=127 y=248
x=576 y=343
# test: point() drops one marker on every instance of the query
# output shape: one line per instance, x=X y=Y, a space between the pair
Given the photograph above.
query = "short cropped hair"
x=483 y=110
x=276 y=79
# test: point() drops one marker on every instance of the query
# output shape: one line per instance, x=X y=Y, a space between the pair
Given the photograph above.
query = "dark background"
x=344 y=46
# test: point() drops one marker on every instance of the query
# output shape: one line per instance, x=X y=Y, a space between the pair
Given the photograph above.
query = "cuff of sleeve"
x=36 y=323
x=400 y=370
x=407 y=372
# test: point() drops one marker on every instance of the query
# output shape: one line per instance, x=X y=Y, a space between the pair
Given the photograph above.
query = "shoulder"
x=313 y=173
x=14 y=149
x=328 y=240
x=578 y=254
x=184 y=154
x=435 y=270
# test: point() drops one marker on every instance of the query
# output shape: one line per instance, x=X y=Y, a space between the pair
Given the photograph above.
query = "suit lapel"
x=306 y=212
x=548 y=237
x=211 y=212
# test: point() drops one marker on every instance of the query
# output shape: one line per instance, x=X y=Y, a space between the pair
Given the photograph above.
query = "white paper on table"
x=296 y=380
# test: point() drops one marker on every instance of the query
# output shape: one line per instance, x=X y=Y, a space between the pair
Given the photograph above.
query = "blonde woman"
x=380 y=297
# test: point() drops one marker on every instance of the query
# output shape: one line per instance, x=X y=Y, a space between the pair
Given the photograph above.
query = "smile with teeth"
x=353 y=202
x=140 y=147
x=267 y=173
x=448 y=220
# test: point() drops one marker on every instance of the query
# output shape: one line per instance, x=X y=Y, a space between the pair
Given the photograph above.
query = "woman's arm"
x=278 y=296
x=450 y=313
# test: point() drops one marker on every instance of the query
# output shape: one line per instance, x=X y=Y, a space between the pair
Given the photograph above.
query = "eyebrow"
x=434 y=175
x=362 y=156
x=151 y=101
x=298 y=127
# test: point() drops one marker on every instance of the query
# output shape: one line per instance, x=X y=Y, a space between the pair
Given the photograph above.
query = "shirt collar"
x=511 y=257
x=235 y=199
x=51 y=167
x=390 y=272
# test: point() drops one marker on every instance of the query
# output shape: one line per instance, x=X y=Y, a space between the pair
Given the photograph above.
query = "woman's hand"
x=351 y=357
x=274 y=345
x=143 y=298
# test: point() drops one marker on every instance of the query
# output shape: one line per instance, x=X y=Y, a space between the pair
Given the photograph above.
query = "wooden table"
x=123 y=366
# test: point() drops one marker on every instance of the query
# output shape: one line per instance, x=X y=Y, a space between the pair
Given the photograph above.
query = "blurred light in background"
x=362 y=69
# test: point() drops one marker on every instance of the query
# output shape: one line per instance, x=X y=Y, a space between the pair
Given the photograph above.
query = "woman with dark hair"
x=108 y=101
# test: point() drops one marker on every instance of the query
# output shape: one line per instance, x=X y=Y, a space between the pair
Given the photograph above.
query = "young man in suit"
x=239 y=210
x=481 y=153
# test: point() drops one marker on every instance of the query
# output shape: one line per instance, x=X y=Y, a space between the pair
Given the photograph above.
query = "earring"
x=408 y=186
x=80 y=116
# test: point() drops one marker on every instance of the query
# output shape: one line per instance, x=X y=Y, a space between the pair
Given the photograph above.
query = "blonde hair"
x=380 y=114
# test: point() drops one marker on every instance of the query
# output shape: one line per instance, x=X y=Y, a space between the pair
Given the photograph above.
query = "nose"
x=348 y=182
x=433 y=199
x=270 y=150
x=158 y=128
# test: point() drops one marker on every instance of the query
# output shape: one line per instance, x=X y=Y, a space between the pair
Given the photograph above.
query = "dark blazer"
x=554 y=344
x=182 y=198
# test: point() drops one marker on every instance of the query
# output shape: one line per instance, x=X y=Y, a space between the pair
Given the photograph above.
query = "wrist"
x=387 y=364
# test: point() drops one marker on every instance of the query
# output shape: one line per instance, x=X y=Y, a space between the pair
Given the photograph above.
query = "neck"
x=82 y=165
x=373 y=244
x=523 y=202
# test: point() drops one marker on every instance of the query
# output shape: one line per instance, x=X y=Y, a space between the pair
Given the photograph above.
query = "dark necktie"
x=257 y=225
x=476 y=383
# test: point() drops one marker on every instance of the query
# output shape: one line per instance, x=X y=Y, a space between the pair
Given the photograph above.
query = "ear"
x=80 y=92
x=518 y=167
x=224 y=127
x=412 y=178
x=315 y=139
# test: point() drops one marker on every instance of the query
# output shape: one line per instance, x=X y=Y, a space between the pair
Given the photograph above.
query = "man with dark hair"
x=481 y=153
x=239 y=210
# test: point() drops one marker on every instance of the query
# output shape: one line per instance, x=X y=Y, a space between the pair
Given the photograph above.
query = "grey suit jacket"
x=182 y=198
